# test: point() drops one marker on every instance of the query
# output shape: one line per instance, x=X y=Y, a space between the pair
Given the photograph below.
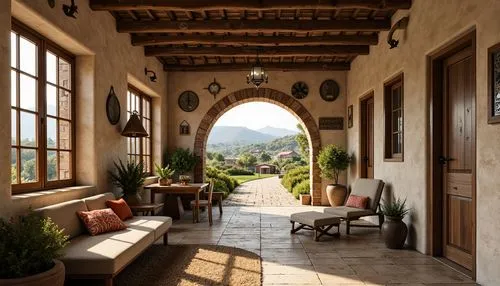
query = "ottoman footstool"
x=321 y=223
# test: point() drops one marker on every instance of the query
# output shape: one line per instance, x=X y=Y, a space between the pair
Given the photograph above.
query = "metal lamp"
x=134 y=127
x=257 y=75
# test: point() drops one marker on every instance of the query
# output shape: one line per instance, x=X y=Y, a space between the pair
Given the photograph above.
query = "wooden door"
x=367 y=146
x=458 y=159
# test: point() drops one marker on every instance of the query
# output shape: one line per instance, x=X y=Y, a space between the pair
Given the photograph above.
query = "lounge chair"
x=370 y=188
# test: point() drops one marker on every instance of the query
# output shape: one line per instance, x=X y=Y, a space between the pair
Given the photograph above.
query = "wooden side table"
x=146 y=209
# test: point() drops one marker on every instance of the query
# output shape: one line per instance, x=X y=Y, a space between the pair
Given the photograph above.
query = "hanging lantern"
x=257 y=75
x=134 y=127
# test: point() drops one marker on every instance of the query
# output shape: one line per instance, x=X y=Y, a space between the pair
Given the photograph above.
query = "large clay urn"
x=336 y=194
x=51 y=277
x=394 y=231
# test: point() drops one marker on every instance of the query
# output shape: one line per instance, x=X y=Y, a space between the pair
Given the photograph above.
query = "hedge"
x=223 y=183
x=239 y=172
x=295 y=178
x=303 y=188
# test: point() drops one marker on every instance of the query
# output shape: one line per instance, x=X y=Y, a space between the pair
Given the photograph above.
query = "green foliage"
x=29 y=245
x=164 y=172
x=265 y=157
x=302 y=188
x=273 y=147
x=239 y=172
x=220 y=178
x=303 y=143
x=129 y=177
x=332 y=160
x=395 y=209
x=219 y=157
x=183 y=160
x=294 y=177
x=281 y=164
x=221 y=186
x=210 y=155
x=247 y=160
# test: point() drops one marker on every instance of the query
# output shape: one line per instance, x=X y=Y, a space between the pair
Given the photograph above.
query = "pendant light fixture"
x=134 y=127
x=257 y=75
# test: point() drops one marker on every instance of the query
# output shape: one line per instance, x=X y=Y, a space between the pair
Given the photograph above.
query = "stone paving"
x=295 y=259
x=263 y=192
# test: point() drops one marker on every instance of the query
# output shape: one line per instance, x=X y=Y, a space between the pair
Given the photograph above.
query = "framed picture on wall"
x=349 y=116
x=494 y=84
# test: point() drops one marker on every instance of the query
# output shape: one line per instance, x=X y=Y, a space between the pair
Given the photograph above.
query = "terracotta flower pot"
x=336 y=194
x=305 y=199
x=164 y=181
x=394 y=231
x=51 y=277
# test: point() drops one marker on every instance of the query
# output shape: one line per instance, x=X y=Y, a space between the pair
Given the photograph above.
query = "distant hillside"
x=277 y=132
x=273 y=147
x=237 y=135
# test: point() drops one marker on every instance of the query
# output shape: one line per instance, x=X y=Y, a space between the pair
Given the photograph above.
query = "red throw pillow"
x=101 y=221
x=121 y=208
x=358 y=202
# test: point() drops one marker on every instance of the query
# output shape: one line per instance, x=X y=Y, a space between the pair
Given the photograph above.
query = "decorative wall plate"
x=329 y=90
x=214 y=88
x=113 y=107
x=188 y=101
x=300 y=90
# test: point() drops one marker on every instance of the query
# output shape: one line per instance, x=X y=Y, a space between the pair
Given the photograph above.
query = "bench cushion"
x=315 y=219
x=64 y=215
x=98 y=202
x=348 y=212
x=158 y=224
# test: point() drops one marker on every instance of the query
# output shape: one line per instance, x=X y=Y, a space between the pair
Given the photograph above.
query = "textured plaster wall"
x=103 y=58
x=233 y=81
x=432 y=25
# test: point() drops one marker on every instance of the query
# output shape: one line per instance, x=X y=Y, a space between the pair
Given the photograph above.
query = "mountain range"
x=244 y=135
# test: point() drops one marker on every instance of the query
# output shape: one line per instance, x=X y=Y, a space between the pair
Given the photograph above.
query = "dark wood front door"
x=367 y=146
x=458 y=158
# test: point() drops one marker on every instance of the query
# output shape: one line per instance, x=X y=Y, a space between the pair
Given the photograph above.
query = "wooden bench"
x=321 y=223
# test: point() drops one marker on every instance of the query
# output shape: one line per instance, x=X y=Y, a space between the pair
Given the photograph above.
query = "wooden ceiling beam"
x=224 y=26
x=252 y=51
x=196 y=5
x=149 y=40
x=267 y=66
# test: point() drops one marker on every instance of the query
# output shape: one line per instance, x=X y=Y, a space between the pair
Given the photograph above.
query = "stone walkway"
x=263 y=192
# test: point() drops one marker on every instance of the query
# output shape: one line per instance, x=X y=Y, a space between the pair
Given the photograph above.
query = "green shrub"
x=220 y=186
x=239 y=172
x=302 y=188
x=231 y=183
x=28 y=245
x=294 y=177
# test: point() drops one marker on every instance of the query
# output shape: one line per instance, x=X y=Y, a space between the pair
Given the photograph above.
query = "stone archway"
x=263 y=95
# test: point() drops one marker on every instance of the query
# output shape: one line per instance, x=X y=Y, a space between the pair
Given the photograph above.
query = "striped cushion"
x=358 y=202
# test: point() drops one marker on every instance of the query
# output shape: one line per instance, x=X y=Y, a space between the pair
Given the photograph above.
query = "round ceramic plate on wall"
x=300 y=90
x=113 y=107
x=329 y=90
x=188 y=101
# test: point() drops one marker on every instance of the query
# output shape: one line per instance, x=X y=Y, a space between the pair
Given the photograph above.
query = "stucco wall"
x=432 y=25
x=234 y=81
x=104 y=58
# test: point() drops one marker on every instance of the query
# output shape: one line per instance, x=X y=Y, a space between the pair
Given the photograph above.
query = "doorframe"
x=362 y=129
x=435 y=112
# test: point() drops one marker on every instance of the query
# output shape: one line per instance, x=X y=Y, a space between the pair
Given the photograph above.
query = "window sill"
x=53 y=192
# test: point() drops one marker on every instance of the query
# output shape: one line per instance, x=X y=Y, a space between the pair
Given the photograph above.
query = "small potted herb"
x=184 y=180
x=394 y=230
x=130 y=178
x=29 y=248
x=165 y=175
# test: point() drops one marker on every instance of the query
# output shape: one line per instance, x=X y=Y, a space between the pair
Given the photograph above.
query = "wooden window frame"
x=492 y=118
x=43 y=45
x=395 y=82
x=148 y=98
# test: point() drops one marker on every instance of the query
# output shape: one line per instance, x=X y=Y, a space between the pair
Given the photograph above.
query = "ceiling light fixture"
x=257 y=75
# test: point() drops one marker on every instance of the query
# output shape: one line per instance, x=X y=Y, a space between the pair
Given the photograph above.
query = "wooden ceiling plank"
x=268 y=66
x=195 y=5
x=252 y=51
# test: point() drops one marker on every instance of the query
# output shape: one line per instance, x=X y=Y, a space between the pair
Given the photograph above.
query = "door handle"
x=443 y=160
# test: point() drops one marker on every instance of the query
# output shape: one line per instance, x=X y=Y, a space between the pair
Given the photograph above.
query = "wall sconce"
x=70 y=10
x=152 y=77
x=134 y=127
x=401 y=24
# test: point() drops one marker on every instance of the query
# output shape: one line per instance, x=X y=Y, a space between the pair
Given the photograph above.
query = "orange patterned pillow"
x=101 y=221
x=358 y=202
x=121 y=208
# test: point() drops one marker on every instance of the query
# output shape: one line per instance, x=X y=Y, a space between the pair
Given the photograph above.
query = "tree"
x=219 y=157
x=332 y=160
x=301 y=139
x=247 y=160
x=281 y=164
x=210 y=155
x=265 y=157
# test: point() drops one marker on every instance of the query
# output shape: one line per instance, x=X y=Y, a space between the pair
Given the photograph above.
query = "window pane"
x=137 y=104
x=51 y=133
x=28 y=129
x=148 y=109
x=29 y=172
x=396 y=121
x=52 y=165
x=13 y=88
x=64 y=74
x=13 y=127
x=13 y=49
x=64 y=165
x=396 y=143
x=13 y=166
x=129 y=101
x=51 y=100
x=396 y=98
x=64 y=104
x=64 y=135
x=144 y=107
x=27 y=56
x=51 y=68
x=27 y=87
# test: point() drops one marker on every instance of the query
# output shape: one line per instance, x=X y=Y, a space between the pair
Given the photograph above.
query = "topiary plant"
x=332 y=160
x=183 y=160
x=28 y=245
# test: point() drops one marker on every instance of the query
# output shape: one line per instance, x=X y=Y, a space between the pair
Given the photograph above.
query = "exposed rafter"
x=267 y=66
x=196 y=5
x=253 y=26
x=251 y=52
x=149 y=40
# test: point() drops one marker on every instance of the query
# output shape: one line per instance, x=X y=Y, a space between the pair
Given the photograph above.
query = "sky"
x=256 y=115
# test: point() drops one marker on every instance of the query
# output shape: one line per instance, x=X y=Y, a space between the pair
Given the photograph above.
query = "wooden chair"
x=205 y=203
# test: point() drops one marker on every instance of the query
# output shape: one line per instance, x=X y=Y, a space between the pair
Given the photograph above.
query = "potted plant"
x=332 y=160
x=394 y=230
x=183 y=161
x=184 y=180
x=29 y=248
x=130 y=178
x=165 y=175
